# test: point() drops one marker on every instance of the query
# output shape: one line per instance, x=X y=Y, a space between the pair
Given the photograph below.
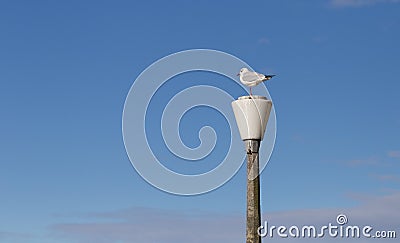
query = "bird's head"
x=243 y=70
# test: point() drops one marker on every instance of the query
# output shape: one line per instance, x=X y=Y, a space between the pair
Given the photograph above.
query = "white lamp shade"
x=252 y=113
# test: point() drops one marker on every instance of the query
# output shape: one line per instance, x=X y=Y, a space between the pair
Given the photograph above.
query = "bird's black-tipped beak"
x=238 y=74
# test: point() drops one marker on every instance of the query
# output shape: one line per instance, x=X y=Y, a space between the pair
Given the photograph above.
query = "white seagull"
x=252 y=78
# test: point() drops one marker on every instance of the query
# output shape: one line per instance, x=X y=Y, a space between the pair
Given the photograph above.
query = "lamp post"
x=251 y=114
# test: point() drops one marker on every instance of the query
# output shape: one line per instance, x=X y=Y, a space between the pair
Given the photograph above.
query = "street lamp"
x=251 y=114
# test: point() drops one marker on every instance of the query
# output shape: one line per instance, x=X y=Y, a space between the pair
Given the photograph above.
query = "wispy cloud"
x=264 y=41
x=148 y=225
x=364 y=162
x=394 y=154
x=388 y=159
x=387 y=178
x=318 y=39
x=6 y=236
x=358 y=3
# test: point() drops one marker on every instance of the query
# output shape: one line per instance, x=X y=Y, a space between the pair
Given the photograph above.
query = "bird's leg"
x=250 y=92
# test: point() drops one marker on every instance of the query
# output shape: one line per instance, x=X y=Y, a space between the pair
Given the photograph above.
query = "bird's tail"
x=268 y=77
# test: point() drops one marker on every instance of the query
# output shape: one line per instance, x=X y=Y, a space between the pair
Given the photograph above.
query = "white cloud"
x=387 y=178
x=371 y=161
x=394 y=154
x=387 y=160
x=319 y=39
x=13 y=236
x=148 y=225
x=264 y=41
x=359 y=3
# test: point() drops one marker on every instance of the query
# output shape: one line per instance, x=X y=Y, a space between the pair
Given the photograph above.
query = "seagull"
x=252 y=78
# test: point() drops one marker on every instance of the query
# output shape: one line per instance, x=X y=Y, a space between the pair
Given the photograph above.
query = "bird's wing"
x=261 y=76
x=250 y=77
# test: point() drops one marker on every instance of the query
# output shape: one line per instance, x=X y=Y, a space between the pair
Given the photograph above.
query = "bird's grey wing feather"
x=260 y=76
x=250 y=76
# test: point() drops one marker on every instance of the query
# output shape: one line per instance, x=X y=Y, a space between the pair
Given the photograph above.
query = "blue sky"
x=66 y=68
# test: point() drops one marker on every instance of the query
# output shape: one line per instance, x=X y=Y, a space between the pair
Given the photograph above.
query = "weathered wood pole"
x=253 y=192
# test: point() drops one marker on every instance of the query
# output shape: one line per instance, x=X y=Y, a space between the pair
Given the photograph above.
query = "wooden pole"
x=253 y=192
